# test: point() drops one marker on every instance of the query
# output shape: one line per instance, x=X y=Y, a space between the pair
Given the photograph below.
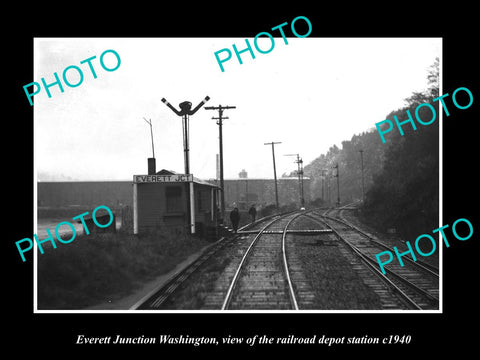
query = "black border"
x=49 y=333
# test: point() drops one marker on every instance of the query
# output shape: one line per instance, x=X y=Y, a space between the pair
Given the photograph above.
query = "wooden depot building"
x=180 y=202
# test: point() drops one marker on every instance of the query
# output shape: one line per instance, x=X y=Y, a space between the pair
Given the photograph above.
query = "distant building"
x=113 y=194
x=244 y=191
x=243 y=174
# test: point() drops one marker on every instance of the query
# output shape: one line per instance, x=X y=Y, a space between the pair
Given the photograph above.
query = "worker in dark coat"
x=234 y=219
x=253 y=213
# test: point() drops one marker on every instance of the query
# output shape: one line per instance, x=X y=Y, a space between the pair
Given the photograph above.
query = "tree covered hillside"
x=401 y=176
x=323 y=172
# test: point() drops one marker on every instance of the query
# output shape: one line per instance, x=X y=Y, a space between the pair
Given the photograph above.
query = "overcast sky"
x=309 y=94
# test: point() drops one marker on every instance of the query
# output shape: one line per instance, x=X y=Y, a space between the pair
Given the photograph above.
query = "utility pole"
x=300 y=166
x=149 y=121
x=324 y=173
x=185 y=112
x=220 y=118
x=363 y=182
x=328 y=190
x=299 y=163
x=338 y=184
x=274 y=170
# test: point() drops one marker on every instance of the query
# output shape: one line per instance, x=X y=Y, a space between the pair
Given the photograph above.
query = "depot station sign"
x=174 y=178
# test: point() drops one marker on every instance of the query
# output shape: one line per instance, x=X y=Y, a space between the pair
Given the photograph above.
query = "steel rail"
x=368 y=262
x=432 y=270
x=233 y=283
x=228 y=296
x=285 y=264
x=299 y=232
x=391 y=272
x=161 y=293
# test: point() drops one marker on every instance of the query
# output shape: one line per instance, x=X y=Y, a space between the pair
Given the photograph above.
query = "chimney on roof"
x=151 y=166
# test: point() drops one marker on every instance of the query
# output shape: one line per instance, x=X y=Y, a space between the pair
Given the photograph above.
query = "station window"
x=173 y=195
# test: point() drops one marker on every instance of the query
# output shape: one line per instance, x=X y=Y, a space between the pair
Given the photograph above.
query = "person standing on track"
x=234 y=219
x=253 y=213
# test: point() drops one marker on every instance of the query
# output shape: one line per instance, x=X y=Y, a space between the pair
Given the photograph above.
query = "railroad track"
x=268 y=266
x=415 y=283
x=262 y=279
x=385 y=246
x=236 y=248
x=156 y=298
